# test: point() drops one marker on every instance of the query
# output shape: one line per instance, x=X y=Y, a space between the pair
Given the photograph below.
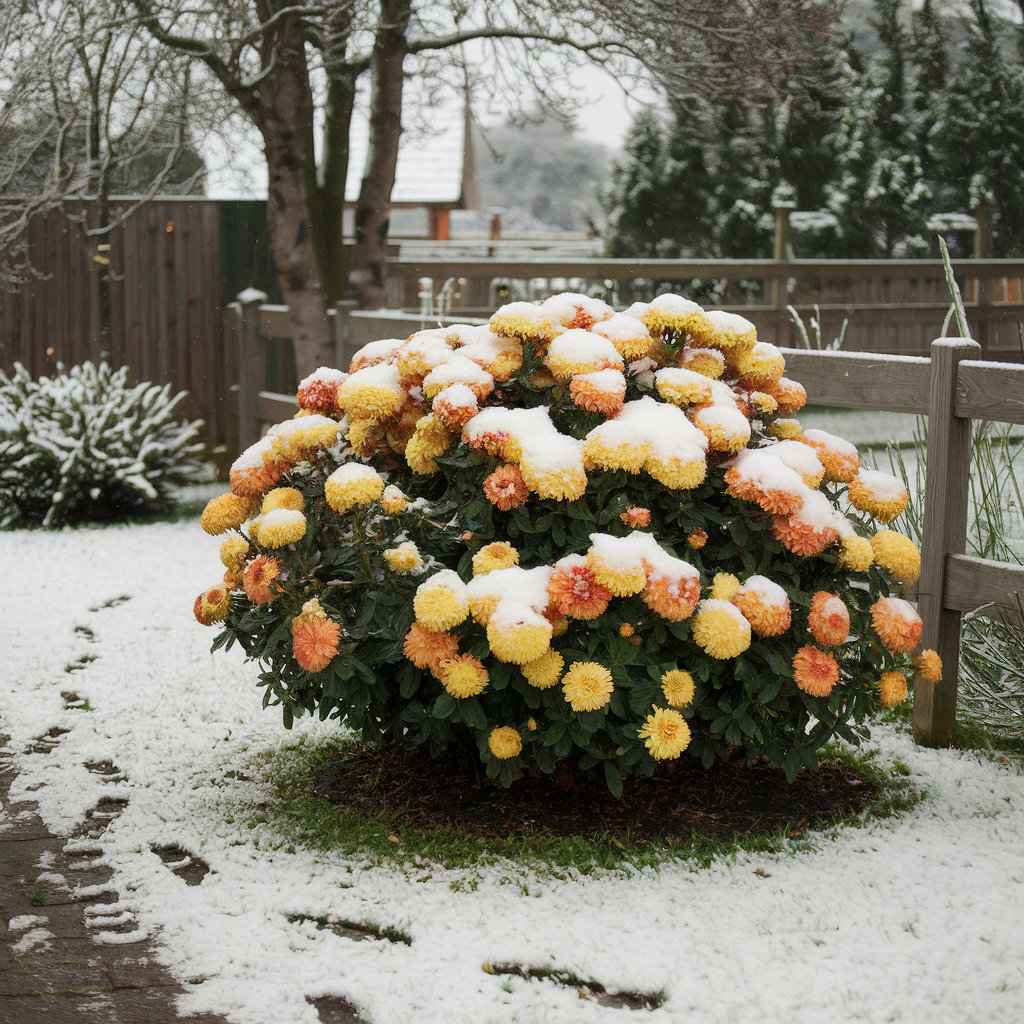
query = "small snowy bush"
x=571 y=535
x=81 y=445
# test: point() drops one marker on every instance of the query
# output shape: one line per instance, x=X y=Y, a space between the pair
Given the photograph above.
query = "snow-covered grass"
x=914 y=918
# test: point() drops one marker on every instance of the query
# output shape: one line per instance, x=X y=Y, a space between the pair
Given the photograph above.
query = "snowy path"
x=914 y=920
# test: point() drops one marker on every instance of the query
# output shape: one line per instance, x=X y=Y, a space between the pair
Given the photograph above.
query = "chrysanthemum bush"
x=572 y=535
x=83 y=445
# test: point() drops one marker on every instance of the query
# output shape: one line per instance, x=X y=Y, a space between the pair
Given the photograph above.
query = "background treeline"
x=925 y=115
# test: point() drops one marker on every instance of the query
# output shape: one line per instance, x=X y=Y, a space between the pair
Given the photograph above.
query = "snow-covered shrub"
x=81 y=445
x=570 y=534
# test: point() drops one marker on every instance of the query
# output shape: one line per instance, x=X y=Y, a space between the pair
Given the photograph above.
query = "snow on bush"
x=569 y=535
x=81 y=445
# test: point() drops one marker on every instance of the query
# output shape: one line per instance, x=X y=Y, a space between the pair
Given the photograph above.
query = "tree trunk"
x=283 y=112
x=327 y=201
x=372 y=209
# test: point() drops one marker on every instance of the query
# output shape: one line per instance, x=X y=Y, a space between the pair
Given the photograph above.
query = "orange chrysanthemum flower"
x=626 y=629
x=897 y=624
x=776 y=500
x=697 y=539
x=804 y=538
x=575 y=592
x=790 y=395
x=829 y=619
x=426 y=648
x=838 y=457
x=814 y=671
x=590 y=392
x=929 y=666
x=892 y=689
x=320 y=395
x=315 y=643
x=258 y=579
x=765 y=605
x=672 y=598
x=490 y=441
x=636 y=517
x=506 y=489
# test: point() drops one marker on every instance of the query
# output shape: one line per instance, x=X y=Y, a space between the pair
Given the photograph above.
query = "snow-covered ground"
x=912 y=919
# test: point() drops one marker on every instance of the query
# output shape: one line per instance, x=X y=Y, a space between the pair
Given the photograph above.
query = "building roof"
x=434 y=166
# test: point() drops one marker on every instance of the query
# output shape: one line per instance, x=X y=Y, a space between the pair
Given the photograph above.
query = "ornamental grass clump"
x=569 y=536
x=84 y=446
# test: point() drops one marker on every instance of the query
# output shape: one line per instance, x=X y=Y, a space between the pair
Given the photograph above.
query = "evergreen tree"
x=978 y=137
x=657 y=200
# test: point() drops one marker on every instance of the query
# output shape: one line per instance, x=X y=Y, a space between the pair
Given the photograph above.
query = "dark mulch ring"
x=683 y=800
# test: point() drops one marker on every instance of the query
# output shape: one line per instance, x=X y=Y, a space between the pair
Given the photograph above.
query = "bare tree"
x=265 y=54
x=94 y=108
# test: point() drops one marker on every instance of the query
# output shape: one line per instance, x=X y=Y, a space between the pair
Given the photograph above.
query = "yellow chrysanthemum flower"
x=504 y=742
x=665 y=734
x=282 y=526
x=622 y=580
x=282 y=497
x=763 y=403
x=233 y=550
x=499 y=555
x=682 y=387
x=892 y=689
x=678 y=687
x=519 y=644
x=857 y=554
x=482 y=607
x=254 y=529
x=545 y=671
x=587 y=686
x=881 y=495
x=393 y=501
x=676 y=474
x=784 y=430
x=724 y=586
x=352 y=484
x=630 y=457
x=897 y=555
x=405 y=558
x=929 y=666
x=226 y=512
x=430 y=438
x=560 y=485
x=720 y=629
x=441 y=602
x=463 y=676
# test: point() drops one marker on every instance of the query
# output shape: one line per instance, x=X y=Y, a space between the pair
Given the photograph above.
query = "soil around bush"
x=683 y=801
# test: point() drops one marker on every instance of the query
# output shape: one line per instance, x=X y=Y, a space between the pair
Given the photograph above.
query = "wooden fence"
x=951 y=388
x=895 y=306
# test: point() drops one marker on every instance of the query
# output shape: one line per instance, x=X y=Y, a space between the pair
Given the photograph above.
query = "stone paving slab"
x=52 y=971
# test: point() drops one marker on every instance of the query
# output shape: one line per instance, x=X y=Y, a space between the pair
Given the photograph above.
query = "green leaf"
x=472 y=713
x=444 y=706
x=613 y=778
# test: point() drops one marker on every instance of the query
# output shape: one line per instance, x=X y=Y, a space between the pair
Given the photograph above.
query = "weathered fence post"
x=944 y=532
x=251 y=368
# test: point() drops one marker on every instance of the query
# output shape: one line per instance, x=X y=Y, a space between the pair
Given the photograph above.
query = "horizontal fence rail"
x=895 y=306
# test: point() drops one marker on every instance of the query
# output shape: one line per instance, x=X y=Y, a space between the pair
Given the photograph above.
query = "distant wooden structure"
x=894 y=306
x=165 y=296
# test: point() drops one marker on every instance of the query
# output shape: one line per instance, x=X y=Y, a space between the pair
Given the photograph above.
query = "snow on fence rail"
x=950 y=388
